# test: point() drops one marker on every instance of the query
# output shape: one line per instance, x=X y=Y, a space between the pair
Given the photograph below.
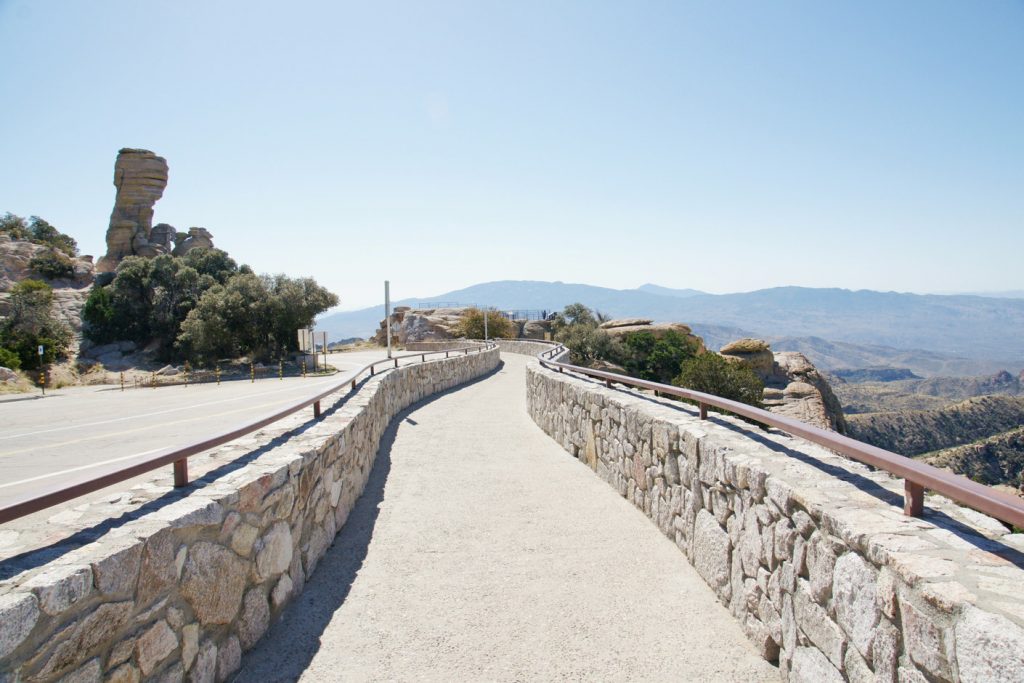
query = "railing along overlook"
x=917 y=476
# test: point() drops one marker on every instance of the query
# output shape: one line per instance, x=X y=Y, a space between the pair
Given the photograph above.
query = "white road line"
x=78 y=469
x=193 y=406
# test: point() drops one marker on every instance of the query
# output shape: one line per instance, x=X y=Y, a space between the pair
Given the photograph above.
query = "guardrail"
x=917 y=476
x=34 y=502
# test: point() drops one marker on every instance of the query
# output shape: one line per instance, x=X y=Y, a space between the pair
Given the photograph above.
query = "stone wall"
x=809 y=551
x=523 y=346
x=446 y=345
x=182 y=591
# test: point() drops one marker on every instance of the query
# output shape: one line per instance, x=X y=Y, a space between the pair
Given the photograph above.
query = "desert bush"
x=472 y=325
x=52 y=265
x=9 y=359
x=712 y=374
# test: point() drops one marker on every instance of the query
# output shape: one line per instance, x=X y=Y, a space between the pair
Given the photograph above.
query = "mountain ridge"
x=963 y=327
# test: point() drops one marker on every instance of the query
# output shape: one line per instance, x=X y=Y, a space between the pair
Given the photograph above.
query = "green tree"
x=296 y=303
x=472 y=325
x=43 y=233
x=252 y=315
x=31 y=323
x=712 y=374
x=656 y=358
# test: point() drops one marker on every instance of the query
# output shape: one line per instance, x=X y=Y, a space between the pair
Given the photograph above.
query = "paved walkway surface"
x=482 y=551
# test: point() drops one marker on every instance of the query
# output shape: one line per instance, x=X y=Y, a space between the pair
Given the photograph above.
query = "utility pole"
x=485 y=324
x=387 y=312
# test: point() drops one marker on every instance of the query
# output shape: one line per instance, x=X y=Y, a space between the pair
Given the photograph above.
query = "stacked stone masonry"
x=180 y=593
x=808 y=550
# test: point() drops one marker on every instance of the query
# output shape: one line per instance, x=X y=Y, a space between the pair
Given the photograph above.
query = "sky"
x=723 y=146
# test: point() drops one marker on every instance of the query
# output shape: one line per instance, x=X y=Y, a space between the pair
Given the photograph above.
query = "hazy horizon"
x=725 y=148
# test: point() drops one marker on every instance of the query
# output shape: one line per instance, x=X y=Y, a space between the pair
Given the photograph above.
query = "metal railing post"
x=703 y=411
x=913 y=499
x=316 y=410
x=181 y=473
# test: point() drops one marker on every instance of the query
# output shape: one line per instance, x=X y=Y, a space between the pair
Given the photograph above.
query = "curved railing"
x=917 y=476
x=54 y=495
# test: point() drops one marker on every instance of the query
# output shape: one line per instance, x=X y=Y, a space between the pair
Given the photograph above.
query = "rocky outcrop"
x=792 y=385
x=69 y=294
x=536 y=329
x=140 y=177
x=623 y=326
x=15 y=265
x=418 y=325
x=197 y=238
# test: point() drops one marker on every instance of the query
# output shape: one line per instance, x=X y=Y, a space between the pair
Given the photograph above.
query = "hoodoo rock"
x=792 y=385
x=140 y=177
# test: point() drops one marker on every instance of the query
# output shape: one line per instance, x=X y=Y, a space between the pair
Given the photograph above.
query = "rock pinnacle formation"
x=140 y=177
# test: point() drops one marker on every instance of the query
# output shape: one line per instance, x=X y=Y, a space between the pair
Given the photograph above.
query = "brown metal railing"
x=917 y=476
x=103 y=477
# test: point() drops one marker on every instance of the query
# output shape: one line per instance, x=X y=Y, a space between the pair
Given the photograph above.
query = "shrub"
x=9 y=359
x=52 y=265
x=31 y=323
x=472 y=325
x=654 y=358
x=712 y=374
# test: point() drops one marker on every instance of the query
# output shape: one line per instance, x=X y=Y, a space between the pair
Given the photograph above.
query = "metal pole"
x=325 y=352
x=485 y=324
x=387 y=312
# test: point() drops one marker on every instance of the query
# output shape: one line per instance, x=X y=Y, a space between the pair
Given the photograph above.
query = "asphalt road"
x=51 y=440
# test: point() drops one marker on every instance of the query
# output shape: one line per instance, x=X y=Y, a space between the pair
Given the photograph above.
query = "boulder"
x=536 y=329
x=792 y=385
x=140 y=177
x=416 y=325
x=625 y=322
x=198 y=238
x=754 y=352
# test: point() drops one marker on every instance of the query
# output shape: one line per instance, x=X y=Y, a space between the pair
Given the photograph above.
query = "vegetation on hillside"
x=203 y=306
x=923 y=394
x=38 y=231
x=31 y=323
x=918 y=432
x=712 y=374
x=668 y=357
x=998 y=459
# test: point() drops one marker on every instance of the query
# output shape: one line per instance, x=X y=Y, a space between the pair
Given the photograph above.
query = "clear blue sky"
x=724 y=146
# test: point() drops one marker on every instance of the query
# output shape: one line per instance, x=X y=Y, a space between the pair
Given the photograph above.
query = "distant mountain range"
x=930 y=334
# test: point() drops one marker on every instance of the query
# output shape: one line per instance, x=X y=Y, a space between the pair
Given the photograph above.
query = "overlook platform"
x=481 y=551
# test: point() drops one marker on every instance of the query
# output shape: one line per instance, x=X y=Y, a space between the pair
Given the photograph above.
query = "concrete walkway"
x=482 y=551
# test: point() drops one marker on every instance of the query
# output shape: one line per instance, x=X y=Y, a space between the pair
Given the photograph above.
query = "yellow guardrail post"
x=280 y=369
x=252 y=372
x=218 y=374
